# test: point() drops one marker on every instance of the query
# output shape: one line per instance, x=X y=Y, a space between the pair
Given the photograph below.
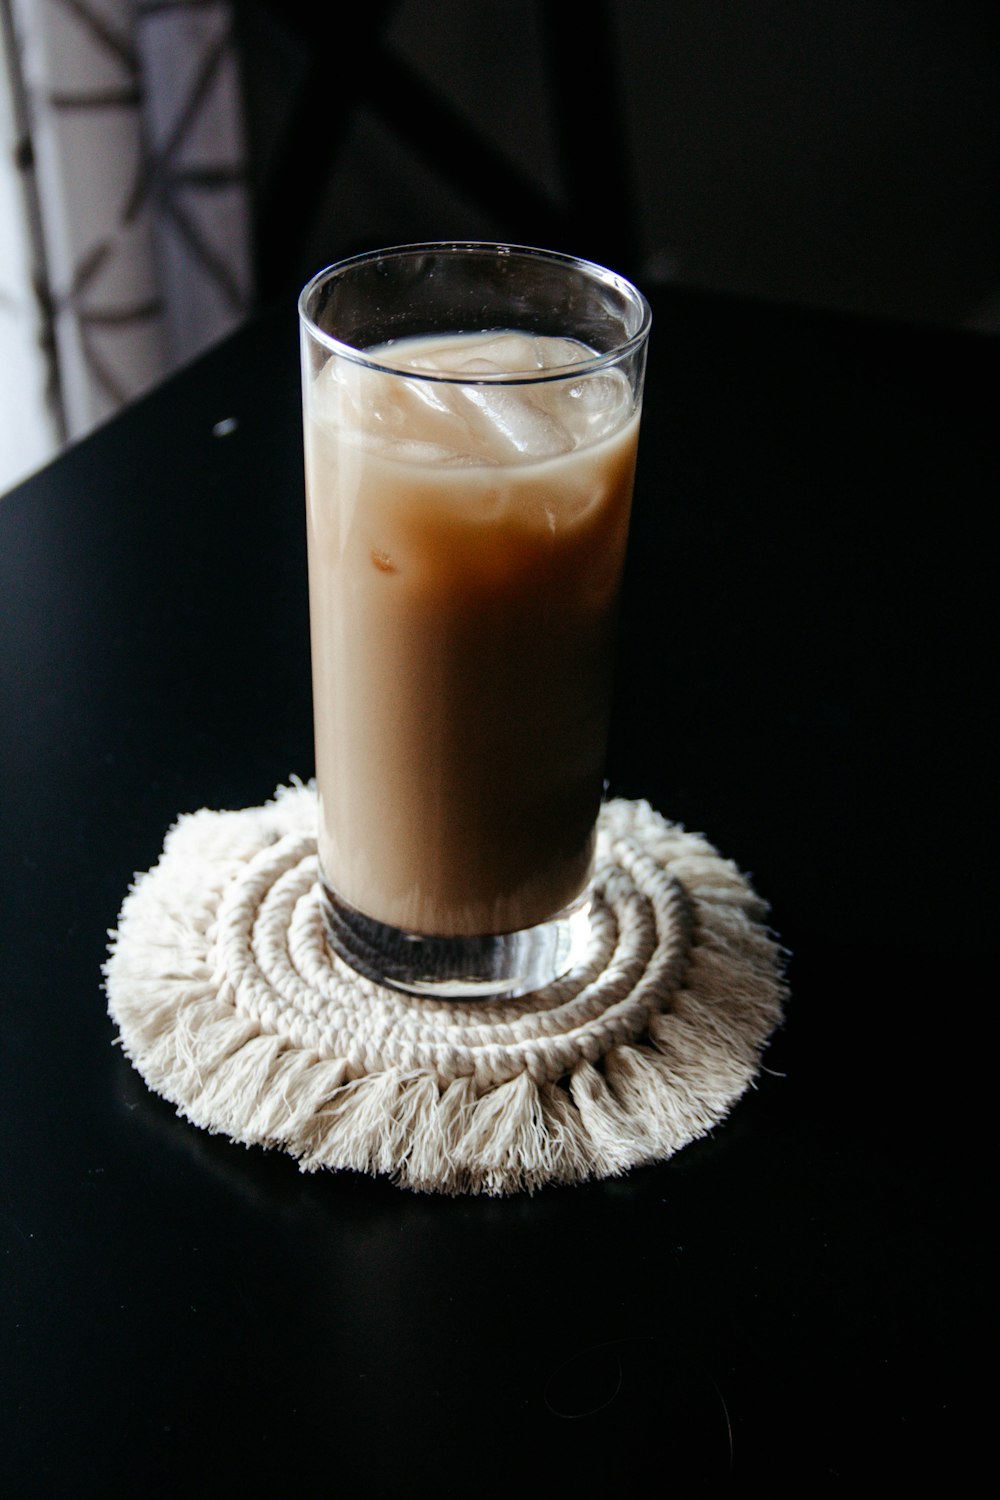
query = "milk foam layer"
x=465 y=548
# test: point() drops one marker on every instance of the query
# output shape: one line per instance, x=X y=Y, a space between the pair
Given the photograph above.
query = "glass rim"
x=575 y=370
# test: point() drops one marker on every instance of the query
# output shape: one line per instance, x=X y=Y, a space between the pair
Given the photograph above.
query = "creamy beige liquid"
x=465 y=551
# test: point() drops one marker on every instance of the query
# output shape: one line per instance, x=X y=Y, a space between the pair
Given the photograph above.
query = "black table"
x=795 y=1297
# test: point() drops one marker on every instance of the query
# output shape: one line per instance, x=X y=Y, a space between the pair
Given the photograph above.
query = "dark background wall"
x=833 y=153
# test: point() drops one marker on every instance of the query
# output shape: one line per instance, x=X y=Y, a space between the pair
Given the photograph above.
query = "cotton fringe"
x=230 y=1005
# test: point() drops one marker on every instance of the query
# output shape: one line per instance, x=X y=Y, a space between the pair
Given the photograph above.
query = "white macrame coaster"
x=230 y=1005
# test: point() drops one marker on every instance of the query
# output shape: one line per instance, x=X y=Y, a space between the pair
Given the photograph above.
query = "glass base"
x=456 y=968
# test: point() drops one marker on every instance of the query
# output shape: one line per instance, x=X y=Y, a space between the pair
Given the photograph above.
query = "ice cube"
x=411 y=450
x=512 y=353
x=349 y=397
x=472 y=419
x=473 y=354
x=511 y=422
x=593 y=407
x=554 y=354
x=425 y=399
x=422 y=411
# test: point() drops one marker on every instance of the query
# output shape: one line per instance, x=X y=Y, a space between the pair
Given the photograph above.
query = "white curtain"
x=124 y=221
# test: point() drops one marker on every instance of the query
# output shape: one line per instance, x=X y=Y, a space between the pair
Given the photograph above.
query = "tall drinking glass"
x=471 y=418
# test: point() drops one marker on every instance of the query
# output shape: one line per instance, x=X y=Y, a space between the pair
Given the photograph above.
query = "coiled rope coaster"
x=230 y=1005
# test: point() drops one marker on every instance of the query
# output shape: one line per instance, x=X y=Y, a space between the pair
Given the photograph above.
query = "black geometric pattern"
x=124 y=203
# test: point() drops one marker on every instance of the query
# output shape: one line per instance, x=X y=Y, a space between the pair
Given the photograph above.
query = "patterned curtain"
x=124 y=219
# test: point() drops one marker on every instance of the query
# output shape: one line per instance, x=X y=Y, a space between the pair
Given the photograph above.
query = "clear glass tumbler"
x=471 y=420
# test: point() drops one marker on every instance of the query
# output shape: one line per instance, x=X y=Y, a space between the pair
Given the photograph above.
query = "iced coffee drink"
x=468 y=494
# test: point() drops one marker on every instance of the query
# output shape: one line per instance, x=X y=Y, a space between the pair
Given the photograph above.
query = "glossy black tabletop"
x=797 y=1297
